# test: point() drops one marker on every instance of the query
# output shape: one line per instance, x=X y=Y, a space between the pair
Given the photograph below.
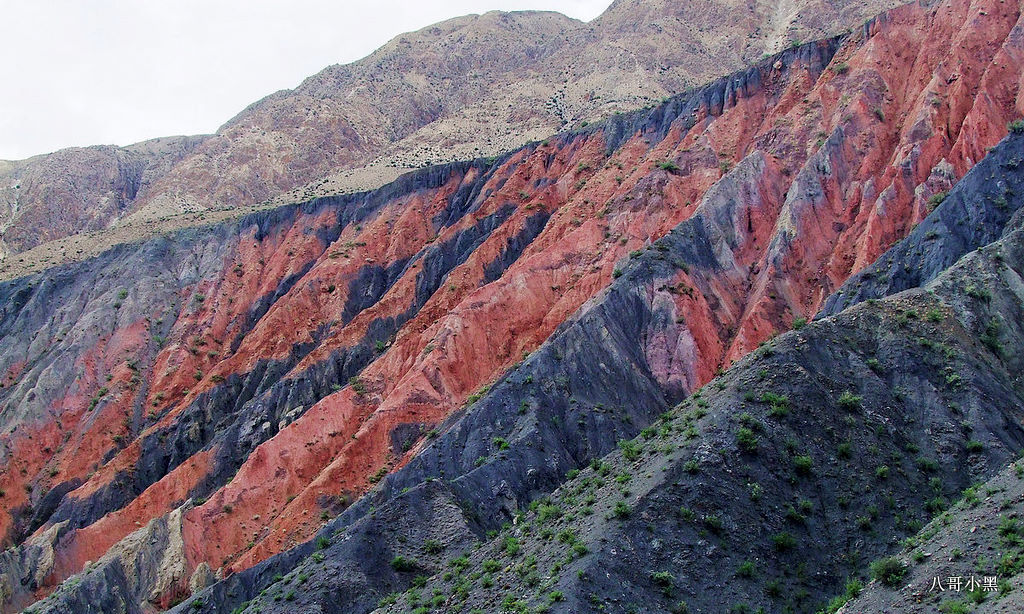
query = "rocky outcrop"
x=973 y=214
x=80 y=189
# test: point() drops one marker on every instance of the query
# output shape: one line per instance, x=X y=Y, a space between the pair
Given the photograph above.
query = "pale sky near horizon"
x=79 y=73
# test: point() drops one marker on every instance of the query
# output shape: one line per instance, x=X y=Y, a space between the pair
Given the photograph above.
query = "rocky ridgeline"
x=473 y=86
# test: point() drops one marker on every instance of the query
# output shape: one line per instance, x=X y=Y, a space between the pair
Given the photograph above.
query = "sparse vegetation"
x=779 y=404
x=630 y=449
x=802 y=464
x=746 y=440
x=936 y=199
x=889 y=571
x=849 y=401
x=783 y=541
x=404 y=564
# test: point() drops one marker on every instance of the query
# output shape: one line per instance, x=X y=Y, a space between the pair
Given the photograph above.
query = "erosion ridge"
x=773 y=485
x=258 y=377
x=907 y=408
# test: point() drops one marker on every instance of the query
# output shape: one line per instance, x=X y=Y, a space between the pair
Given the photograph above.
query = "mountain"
x=351 y=391
x=472 y=86
x=78 y=190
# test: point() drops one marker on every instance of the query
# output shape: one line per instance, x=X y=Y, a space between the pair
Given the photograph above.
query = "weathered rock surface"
x=261 y=377
x=79 y=190
x=860 y=427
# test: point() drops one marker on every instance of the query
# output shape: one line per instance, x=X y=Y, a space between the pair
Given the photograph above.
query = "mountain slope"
x=467 y=87
x=776 y=483
x=79 y=190
x=894 y=413
x=257 y=377
x=976 y=541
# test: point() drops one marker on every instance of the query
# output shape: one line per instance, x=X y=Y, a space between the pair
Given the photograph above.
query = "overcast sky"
x=77 y=72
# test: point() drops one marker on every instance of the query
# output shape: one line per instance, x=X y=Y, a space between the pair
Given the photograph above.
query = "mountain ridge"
x=433 y=109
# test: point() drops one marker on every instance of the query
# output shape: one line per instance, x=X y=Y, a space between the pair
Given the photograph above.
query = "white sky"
x=86 y=72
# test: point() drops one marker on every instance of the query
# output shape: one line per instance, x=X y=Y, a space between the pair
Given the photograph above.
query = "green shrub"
x=1016 y=126
x=951 y=606
x=853 y=589
x=927 y=464
x=459 y=563
x=981 y=294
x=621 y=510
x=779 y=404
x=746 y=440
x=746 y=569
x=402 y=564
x=667 y=165
x=799 y=323
x=889 y=571
x=802 y=464
x=548 y=512
x=713 y=523
x=936 y=505
x=936 y=199
x=662 y=578
x=630 y=449
x=849 y=401
x=990 y=337
x=783 y=541
x=512 y=546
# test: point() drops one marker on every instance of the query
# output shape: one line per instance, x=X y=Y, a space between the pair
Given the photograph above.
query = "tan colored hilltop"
x=471 y=86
